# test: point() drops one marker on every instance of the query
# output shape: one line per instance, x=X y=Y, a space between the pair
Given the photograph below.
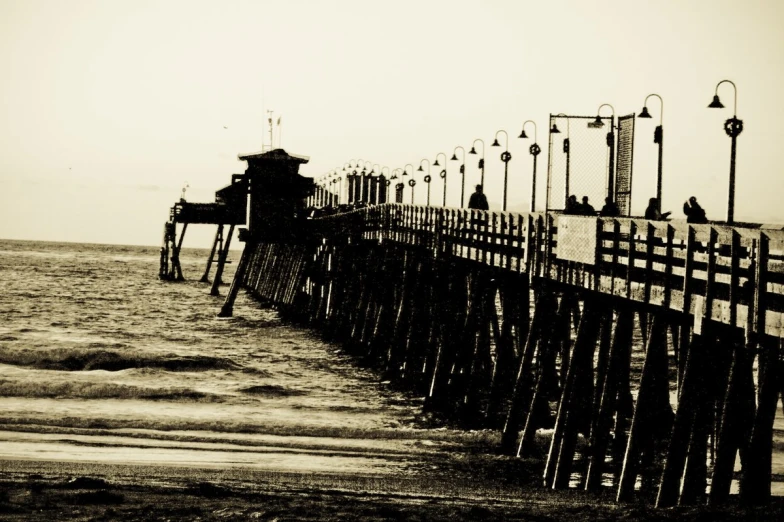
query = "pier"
x=648 y=351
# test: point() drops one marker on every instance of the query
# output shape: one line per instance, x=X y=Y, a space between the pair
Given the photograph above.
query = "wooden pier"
x=650 y=350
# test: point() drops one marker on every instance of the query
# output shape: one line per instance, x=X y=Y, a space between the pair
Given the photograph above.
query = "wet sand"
x=501 y=490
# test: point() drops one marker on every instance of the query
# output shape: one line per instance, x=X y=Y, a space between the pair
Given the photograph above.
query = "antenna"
x=269 y=121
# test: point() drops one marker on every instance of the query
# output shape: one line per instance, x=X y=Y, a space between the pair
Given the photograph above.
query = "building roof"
x=276 y=154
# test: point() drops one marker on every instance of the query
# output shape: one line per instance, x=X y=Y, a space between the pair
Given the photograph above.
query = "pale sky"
x=107 y=107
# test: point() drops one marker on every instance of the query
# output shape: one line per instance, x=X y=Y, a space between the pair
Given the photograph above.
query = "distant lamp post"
x=566 y=148
x=410 y=184
x=534 y=150
x=598 y=124
x=427 y=180
x=481 y=159
x=658 y=137
x=378 y=186
x=505 y=157
x=442 y=174
x=462 y=173
x=733 y=127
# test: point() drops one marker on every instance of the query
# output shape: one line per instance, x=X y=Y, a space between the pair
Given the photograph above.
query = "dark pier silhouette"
x=648 y=350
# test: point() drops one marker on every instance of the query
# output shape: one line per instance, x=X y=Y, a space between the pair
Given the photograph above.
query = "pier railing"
x=732 y=275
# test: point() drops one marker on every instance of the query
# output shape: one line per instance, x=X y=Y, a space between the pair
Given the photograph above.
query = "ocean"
x=102 y=362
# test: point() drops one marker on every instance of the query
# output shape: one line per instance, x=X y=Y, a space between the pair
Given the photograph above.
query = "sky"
x=109 y=108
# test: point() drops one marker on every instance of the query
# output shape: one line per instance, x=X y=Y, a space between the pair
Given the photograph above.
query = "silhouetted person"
x=478 y=200
x=586 y=209
x=652 y=212
x=572 y=206
x=610 y=209
x=694 y=212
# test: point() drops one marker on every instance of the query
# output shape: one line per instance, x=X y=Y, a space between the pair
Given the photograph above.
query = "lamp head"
x=644 y=113
x=598 y=121
x=420 y=168
x=495 y=143
x=454 y=156
x=523 y=134
x=716 y=103
x=472 y=151
x=436 y=163
x=554 y=129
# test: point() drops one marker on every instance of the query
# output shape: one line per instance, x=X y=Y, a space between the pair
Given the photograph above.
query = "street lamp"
x=658 y=137
x=405 y=173
x=378 y=185
x=481 y=160
x=442 y=173
x=733 y=127
x=364 y=187
x=534 y=150
x=427 y=179
x=505 y=157
x=598 y=124
x=566 y=149
x=462 y=172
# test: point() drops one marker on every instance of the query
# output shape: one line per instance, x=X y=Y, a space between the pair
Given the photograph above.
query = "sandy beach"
x=41 y=490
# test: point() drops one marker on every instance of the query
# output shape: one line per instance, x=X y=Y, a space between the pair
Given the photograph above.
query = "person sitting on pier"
x=694 y=212
x=610 y=209
x=586 y=209
x=572 y=206
x=653 y=213
x=478 y=200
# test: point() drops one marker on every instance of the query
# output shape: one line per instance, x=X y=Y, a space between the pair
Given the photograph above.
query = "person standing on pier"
x=586 y=209
x=694 y=212
x=653 y=213
x=610 y=209
x=478 y=200
x=572 y=206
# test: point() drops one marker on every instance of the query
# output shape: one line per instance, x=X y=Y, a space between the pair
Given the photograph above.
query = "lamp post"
x=462 y=172
x=399 y=185
x=597 y=124
x=442 y=174
x=566 y=145
x=505 y=157
x=481 y=159
x=364 y=191
x=733 y=127
x=658 y=137
x=534 y=150
x=378 y=185
x=427 y=180
x=410 y=184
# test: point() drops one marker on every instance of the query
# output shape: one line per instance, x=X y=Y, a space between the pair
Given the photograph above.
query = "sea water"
x=102 y=361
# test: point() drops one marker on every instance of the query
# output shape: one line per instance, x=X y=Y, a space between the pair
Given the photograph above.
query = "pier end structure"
x=278 y=194
x=229 y=208
x=278 y=197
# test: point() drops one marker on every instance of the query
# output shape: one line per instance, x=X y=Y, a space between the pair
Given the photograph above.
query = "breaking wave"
x=87 y=360
x=92 y=390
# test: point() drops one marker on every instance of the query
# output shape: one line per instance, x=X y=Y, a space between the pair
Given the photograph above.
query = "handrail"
x=673 y=263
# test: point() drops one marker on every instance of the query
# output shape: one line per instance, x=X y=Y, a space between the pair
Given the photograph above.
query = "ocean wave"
x=182 y=429
x=92 y=390
x=271 y=390
x=87 y=360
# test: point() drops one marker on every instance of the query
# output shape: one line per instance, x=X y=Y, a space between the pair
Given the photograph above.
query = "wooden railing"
x=733 y=275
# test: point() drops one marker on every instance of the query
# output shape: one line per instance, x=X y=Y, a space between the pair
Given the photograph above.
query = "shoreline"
x=54 y=490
